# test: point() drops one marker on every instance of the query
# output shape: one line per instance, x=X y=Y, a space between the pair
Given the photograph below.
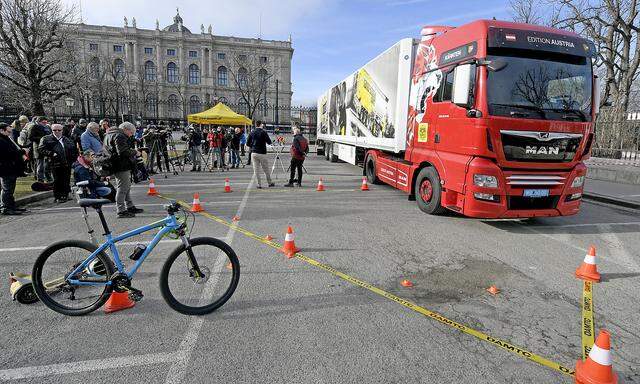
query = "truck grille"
x=522 y=180
x=540 y=147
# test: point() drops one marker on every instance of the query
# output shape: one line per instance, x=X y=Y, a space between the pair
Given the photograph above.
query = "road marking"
x=178 y=369
x=584 y=225
x=406 y=303
x=90 y=365
x=617 y=250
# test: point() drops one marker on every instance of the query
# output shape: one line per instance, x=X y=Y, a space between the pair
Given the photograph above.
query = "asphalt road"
x=292 y=322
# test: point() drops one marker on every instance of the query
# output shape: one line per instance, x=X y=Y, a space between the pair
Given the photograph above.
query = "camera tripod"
x=278 y=151
x=156 y=153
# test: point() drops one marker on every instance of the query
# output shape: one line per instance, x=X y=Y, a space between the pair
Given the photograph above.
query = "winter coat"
x=76 y=134
x=122 y=152
x=58 y=155
x=235 y=141
x=90 y=141
x=299 y=147
x=258 y=140
x=36 y=133
x=11 y=161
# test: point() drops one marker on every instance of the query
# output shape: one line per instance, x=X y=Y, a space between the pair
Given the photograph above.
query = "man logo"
x=542 y=150
x=543 y=135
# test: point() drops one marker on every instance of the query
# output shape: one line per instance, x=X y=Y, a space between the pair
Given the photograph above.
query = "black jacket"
x=37 y=132
x=258 y=140
x=58 y=156
x=11 y=161
x=76 y=133
x=122 y=152
x=235 y=141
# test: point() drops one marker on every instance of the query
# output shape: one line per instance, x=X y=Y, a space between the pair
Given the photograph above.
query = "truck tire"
x=370 y=171
x=428 y=191
x=332 y=158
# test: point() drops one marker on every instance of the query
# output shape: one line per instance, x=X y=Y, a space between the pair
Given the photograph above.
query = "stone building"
x=167 y=73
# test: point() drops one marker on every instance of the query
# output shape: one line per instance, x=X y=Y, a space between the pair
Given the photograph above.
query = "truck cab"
x=500 y=121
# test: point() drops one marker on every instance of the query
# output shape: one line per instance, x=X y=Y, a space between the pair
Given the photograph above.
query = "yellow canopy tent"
x=220 y=114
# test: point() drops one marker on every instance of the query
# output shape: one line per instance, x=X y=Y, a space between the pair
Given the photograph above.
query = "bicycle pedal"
x=136 y=295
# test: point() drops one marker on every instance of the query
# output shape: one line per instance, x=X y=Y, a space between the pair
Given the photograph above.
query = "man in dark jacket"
x=82 y=171
x=195 y=142
x=299 y=150
x=77 y=131
x=11 y=167
x=122 y=153
x=257 y=141
x=39 y=130
x=60 y=152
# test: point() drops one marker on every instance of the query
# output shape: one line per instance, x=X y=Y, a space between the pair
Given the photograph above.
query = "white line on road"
x=617 y=250
x=90 y=365
x=585 y=225
x=178 y=369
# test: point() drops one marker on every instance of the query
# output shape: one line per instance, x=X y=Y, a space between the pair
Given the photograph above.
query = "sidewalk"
x=627 y=195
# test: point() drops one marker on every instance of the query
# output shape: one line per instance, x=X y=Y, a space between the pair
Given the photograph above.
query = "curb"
x=39 y=196
x=610 y=200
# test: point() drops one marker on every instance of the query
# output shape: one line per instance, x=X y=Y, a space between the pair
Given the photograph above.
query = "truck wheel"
x=332 y=158
x=428 y=191
x=370 y=171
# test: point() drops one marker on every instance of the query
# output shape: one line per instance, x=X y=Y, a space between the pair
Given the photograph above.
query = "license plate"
x=536 y=193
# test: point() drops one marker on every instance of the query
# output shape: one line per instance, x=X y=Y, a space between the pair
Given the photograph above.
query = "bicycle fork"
x=193 y=263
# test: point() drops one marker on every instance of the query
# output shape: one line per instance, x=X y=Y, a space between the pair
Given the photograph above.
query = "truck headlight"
x=577 y=182
x=485 y=181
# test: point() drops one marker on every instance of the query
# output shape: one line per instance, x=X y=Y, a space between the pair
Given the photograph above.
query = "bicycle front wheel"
x=53 y=267
x=192 y=293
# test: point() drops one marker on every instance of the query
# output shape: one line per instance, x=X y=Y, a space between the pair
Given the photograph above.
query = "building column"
x=135 y=57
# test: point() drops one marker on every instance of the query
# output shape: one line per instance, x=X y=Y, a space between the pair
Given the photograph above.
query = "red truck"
x=491 y=119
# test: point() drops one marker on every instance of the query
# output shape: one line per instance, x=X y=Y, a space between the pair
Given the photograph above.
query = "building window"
x=148 y=51
x=242 y=107
x=152 y=104
x=93 y=47
x=263 y=59
x=193 y=53
x=242 y=58
x=221 y=56
x=118 y=68
x=263 y=77
x=194 y=74
x=222 y=76
x=173 y=104
x=172 y=73
x=149 y=71
x=94 y=68
x=171 y=52
x=242 y=78
x=118 y=48
x=194 y=104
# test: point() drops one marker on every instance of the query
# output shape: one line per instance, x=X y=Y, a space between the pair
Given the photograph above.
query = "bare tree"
x=526 y=12
x=32 y=49
x=250 y=75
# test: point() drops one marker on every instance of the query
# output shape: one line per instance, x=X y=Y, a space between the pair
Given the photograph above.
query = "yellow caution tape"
x=587 y=319
x=406 y=303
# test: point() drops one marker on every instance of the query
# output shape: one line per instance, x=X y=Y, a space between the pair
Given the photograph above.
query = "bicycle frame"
x=166 y=225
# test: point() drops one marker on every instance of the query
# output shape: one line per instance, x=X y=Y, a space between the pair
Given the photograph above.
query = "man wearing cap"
x=60 y=152
x=83 y=171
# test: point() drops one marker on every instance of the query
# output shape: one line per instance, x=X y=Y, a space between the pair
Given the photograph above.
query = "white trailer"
x=369 y=108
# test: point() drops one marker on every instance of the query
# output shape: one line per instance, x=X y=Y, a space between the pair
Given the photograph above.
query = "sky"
x=331 y=38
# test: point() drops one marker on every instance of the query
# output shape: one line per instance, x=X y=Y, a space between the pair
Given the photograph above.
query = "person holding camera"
x=194 y=141
x=122 y=160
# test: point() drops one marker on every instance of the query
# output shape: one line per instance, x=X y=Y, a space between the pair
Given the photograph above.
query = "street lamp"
x=70 y=102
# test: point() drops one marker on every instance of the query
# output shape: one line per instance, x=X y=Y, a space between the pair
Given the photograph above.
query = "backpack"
x=102 y=163
x=304 y=147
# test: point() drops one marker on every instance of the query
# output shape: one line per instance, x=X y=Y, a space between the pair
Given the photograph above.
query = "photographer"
x=123 y=160
x=155 y=140
x=194 y=142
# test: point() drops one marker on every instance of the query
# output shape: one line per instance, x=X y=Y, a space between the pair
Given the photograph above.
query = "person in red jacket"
x=299 y=150
x=216 y=141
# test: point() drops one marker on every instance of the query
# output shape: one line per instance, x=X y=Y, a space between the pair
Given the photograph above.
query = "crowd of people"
x=101 y=155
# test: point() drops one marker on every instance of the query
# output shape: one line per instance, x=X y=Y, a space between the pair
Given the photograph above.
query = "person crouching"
x=83 y=171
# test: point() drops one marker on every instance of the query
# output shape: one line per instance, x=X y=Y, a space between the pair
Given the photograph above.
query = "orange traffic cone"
x=289 y=248
x=118 y=301
x=364 y=186
x=588 y=270
x=493 y=290
x=227 y=186
x=406 y=283
x=196 y=207
x=235 y=218
x=597 y=368
x=152 y=188
x=320 y=186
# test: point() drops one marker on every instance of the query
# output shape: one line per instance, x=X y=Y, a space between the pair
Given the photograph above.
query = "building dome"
x=177 y=25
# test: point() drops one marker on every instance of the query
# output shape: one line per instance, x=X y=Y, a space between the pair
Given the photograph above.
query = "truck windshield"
x=538 y=85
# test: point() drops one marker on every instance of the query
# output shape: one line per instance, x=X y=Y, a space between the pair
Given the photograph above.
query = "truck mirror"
x=461 y=85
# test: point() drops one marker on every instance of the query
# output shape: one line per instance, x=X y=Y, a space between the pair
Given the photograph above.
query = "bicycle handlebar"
x=173 y=207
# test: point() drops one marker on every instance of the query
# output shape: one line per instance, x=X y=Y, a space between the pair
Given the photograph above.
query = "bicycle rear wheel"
x=56 y=262
x=190 y=294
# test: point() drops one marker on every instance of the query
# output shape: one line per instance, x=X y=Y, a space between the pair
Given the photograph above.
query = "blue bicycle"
x=76 y=277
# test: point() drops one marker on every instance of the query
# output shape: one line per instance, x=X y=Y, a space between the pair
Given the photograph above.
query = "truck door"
x=425 y=120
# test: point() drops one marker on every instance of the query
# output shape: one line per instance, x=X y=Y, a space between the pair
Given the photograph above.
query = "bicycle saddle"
x=95 y=203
